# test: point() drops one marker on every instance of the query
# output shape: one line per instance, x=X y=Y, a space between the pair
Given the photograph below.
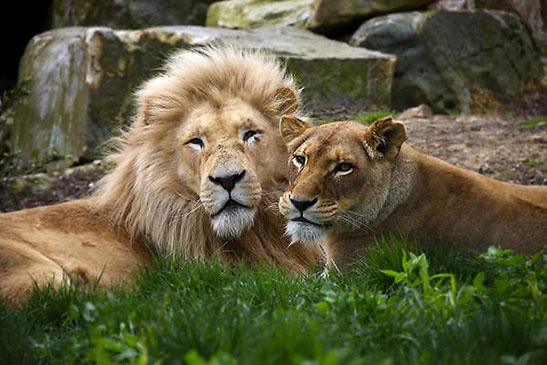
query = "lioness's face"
x=339 y=176
x=227 y=156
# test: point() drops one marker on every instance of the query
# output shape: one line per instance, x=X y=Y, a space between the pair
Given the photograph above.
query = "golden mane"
x=142 y=191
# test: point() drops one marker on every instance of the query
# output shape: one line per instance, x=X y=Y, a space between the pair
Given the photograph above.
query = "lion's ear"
x=291 y=127
x=287 y=99
x=384 y=138
x=155 y=101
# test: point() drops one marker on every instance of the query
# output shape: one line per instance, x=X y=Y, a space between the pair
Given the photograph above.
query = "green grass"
x=537 y=163
x=369 y=118
x=533 y=123
x=401 y=304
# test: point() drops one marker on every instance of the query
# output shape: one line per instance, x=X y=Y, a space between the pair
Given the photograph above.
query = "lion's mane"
x=142 y=191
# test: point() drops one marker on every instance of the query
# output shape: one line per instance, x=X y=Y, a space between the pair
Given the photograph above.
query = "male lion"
x=196 y=173
x=351 y=184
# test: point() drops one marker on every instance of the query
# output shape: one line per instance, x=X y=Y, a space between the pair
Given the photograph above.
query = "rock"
x=483 y=53
x=82 y=80
x=6 y=121
x=417 y=80
x=334 y=13
x=128 y=14
x=449 y=5
x=247 y=14
x=420 y=111
x=533 y=12
x=455 y=61
x=319 y=15
x=51 y=119
x=539 y=138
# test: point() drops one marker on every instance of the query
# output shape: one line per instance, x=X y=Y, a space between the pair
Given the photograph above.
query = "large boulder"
x=128 y=14
x=533 y=12
x=417 y=79
x=82 y=79
x=455 y=61
x=319 y=15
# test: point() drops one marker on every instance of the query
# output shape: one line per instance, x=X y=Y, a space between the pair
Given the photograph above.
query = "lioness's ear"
x=291 y=127
x=287 y=99
x=384 y=138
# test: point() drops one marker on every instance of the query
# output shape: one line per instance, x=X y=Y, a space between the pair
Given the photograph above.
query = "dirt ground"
x=504 y=148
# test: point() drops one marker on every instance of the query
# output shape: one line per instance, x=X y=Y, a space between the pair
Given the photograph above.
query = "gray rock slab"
x=81 y=80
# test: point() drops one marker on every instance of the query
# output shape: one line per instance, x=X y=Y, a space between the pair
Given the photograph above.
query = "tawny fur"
x=393 y=189
x=158 y=194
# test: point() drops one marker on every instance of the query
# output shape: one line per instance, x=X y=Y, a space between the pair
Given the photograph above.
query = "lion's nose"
x=228 y=182
x=302 y=205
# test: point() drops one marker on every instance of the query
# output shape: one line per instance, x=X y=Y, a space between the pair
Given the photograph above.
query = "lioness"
x=196 y=173
x=351 y=184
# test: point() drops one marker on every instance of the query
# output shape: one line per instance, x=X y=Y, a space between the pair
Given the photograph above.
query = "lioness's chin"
x=233 y=222
x=305 y=233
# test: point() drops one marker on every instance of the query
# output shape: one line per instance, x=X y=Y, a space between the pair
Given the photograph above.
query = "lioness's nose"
x=228 y=182
x=302 y=205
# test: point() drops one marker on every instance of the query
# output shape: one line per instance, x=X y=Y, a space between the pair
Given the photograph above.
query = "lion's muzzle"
x=231 y=194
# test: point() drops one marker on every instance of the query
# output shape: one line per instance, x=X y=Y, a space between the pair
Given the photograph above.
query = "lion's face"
x=226 y=156
x=340 y=175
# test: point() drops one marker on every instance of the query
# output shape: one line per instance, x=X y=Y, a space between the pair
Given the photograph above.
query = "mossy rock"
x=248 y=14
x=319 y=15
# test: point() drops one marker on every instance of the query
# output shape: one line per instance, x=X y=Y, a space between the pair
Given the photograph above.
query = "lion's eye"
x=299 y=161
x=343 y=168
x=251 y=136
x=196 y=143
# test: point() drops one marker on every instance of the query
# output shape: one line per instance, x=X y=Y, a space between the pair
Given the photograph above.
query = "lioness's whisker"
x=355 y=214
x=360 y=223
x=355 y=223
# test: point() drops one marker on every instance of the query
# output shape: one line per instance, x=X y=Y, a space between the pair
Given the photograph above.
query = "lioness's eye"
x=196 y=143
x=299 y=160
x=343 y=168
x=250 y=136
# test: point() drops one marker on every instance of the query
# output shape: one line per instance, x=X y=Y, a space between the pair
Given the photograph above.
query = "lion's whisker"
x=179 y=218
